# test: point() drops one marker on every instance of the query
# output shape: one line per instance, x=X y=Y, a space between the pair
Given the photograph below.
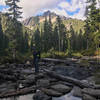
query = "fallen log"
x=76 y=82
x=17 y=92
x=67 y=61
x=53 y=60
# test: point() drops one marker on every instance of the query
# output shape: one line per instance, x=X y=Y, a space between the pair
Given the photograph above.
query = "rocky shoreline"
x=20 y=79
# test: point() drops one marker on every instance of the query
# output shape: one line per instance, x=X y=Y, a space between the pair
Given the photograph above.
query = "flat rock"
x=61 y=88
x=51 y=92
x=92 y=92
x=41 y=96
x=43 y=83
x=77 y=92
x=88 y=97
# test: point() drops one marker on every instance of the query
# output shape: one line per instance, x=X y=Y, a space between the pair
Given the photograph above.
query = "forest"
x=49 y=56
x=52 y=39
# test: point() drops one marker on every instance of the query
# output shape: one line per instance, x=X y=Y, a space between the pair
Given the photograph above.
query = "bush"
x=54 y=54
x=77 y=55
x=89 y=52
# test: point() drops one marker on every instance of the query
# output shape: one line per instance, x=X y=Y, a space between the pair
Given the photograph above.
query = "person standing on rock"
x=36 y=57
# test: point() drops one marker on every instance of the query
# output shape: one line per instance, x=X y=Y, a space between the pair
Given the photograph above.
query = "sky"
x=68 y=8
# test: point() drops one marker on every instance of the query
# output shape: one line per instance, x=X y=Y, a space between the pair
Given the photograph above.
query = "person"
x=36 y=56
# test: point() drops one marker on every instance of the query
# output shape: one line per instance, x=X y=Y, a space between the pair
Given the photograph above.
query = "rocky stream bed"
x=57 y=80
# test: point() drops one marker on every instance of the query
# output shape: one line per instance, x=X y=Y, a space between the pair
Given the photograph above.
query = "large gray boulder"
x=88 y=97
x=41 y=96
x=43 y=83
x=61 y=88
x=51 y=92
x=77 y=92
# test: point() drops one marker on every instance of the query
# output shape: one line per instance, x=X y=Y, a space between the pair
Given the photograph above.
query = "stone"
x=77 y=92
x=41 y=96
x=92 y=92
x=61 y=88
x=88 y=97
x=43 y=83
x=51 y=92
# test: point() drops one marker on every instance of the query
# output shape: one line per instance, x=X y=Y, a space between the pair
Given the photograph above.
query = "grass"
x=97 y=77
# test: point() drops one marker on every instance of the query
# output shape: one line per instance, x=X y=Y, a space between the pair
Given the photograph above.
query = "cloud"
x=73 y=6
x=62 y=7
x=2 y=2
x=32 y=7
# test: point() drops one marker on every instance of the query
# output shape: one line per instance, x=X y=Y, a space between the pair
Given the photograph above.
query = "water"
x=66 y=97
x=30 y=96
x=25 y=97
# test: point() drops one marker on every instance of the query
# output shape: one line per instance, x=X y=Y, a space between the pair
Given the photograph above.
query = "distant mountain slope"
x=32 y=22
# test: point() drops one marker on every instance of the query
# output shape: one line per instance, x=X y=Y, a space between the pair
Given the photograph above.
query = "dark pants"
x=36 y=65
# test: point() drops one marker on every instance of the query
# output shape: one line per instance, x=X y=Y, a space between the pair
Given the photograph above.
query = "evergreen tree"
x=37 y=39
x=73 y=38
x=14 y=8
x=55 y=38
x=25 y=43
x=61 y=34
x=50 y=33
x=92 y=22
x=47 y=35
x=1 y=38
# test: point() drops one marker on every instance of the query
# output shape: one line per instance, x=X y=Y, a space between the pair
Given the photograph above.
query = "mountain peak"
x=47 y=13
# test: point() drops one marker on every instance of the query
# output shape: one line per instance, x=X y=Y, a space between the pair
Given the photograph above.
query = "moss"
x=84 y=63
x=97 y=77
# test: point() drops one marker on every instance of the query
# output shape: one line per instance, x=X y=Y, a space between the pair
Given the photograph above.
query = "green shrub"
x=89 y=52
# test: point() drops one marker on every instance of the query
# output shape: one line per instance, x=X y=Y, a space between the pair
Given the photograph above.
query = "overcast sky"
x=68 y=8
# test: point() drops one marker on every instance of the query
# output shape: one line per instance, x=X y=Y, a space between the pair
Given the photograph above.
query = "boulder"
x=77 y=92
x=92 y=92
x=61 y=88
x=88 y=97
x=51 y=92
x=43 y=83
x=41 y=96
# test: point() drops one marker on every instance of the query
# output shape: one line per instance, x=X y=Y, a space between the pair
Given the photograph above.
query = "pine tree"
x=92 y=22
x=1 y=38
x=37 y=39
x=55 y=38
x=73 y=38
x=61 y=34
x=25 y=43
x=14 y=8
x=50 y=33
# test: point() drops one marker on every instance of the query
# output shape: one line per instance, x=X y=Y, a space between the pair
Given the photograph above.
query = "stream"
x=27 y=78
x=30 y=96
x=68 y=96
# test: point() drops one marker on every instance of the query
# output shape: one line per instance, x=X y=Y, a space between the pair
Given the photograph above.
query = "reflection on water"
x=30 y=96
x=25 y=97
x=67 y=97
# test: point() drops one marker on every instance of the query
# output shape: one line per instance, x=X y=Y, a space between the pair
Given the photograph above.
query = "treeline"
x=56 y=37
x=16 y=40
x=13 y=36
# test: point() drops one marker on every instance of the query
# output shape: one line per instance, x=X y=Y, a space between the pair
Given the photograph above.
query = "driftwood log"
x=17 y=92
x=68 y=79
